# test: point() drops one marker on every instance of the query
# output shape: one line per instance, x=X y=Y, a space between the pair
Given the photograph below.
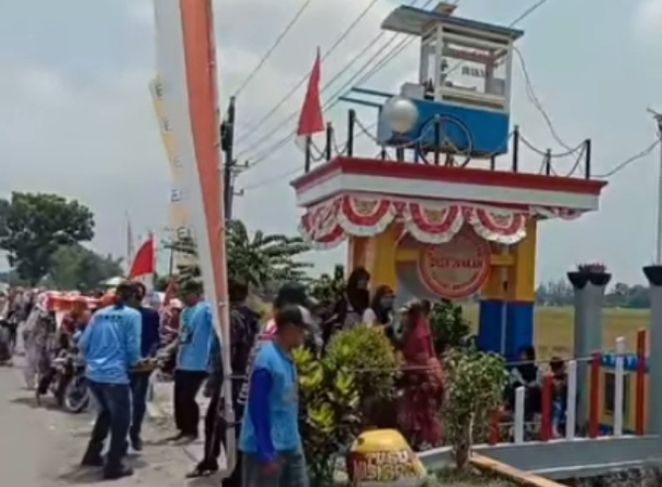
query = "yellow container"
x=384 y=458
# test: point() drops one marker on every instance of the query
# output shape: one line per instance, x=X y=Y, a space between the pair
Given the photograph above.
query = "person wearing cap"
x=192 y=364
x=111 y=347
x=270 y=440
x=296 y=293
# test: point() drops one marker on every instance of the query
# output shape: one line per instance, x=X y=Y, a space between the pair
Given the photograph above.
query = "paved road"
x=41 y=447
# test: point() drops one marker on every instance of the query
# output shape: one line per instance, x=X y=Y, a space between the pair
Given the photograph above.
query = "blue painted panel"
x=489 y=328
x=519 y=328
x=488 y=130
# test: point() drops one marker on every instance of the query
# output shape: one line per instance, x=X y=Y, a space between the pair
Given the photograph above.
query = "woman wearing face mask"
x=380 y=312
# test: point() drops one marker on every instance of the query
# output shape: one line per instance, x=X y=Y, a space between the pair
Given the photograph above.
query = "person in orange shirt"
x=77 y=318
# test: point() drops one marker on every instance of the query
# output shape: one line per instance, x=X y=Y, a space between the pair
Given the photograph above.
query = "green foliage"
x=75 y=267
x=448 y=325
x=327 y=290
x=474 y=385
x=330 y=409
x=264 y=259
x=261 y=261
x=369 y=353
x=360 y=366
x=36 y=225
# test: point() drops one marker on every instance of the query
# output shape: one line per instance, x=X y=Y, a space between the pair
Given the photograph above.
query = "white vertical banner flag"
x=187 y=66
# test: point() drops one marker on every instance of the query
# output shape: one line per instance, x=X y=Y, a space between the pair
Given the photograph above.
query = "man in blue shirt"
x=193 y=358
x=111 y=346
x=270 y=439
x=140 y=379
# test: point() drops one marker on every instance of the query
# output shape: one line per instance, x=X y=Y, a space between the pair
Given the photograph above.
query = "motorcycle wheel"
x=76 y=396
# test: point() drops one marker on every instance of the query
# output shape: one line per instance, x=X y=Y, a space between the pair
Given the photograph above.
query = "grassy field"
x=554 y=328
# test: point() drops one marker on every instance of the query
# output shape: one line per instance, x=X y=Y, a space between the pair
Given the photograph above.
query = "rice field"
x=553 y=328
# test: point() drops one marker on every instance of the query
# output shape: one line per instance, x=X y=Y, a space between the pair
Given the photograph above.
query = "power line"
x=535 y=101
x=276 y=43
x=293 y=114
x=528 y=12
x=333 y=99
x=634 y=158
x=399 y=48
x=300 y=83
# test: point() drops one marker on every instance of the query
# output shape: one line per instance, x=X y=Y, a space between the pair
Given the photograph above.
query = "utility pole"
x=658 y=256
x=227 y=144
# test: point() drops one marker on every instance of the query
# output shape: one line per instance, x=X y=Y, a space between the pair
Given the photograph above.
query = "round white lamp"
x=401 y=114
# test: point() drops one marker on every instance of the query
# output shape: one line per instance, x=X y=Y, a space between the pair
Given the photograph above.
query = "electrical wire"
x=278 y=177
x=276 y=43
x=335 y=98
x=289 y=94
x=326 y=86
x=619 y=167
x=535 y=101
x=403 y=44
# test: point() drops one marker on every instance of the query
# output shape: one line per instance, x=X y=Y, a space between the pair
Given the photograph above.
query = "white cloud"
x=648 y=22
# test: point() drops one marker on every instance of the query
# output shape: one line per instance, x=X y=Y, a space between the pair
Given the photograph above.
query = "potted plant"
x=595 y=273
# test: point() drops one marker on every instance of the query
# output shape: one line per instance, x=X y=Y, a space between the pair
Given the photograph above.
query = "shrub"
x=368 y=353
x=449 y=327
x=360 y=366
x=474 y=385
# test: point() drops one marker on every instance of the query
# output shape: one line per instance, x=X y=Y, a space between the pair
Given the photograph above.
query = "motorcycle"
x=68 y=384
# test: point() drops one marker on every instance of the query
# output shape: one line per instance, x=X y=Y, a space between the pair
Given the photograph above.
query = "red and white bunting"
x=329 y=222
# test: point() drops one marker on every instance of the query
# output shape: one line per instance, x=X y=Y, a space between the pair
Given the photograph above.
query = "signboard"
x=456 y=269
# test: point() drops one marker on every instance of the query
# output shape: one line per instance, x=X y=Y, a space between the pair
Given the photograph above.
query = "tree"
x=75 y=267
x=262 y=261
x=36 y=225
x=265 y=259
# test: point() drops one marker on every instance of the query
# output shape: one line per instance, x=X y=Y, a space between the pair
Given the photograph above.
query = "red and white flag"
x=311 y=120
x=144 y=262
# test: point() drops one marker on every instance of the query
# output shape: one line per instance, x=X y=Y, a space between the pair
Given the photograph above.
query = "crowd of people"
x=125 y=336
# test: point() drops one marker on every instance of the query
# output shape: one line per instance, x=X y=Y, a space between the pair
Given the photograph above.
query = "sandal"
x=202 y=470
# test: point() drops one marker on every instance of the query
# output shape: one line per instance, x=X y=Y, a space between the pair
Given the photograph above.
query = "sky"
x=77 y=118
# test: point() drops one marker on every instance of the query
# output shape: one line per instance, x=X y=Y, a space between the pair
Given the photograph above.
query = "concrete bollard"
x=589 y=297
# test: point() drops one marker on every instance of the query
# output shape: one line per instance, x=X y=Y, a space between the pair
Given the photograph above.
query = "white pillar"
x=571 y=400
x=519 y=414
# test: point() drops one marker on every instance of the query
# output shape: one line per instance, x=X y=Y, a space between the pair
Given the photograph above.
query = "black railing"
x=582 y=151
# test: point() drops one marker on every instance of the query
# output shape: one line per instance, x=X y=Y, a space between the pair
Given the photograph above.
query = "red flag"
x=144 y=262
x=311 y=120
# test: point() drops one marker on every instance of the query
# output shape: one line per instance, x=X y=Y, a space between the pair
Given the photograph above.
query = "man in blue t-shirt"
x=193 y=355
x=111 y=346
x=140 y=378
x=270 y=439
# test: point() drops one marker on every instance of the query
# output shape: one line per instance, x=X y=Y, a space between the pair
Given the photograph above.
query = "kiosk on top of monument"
x=435 y=216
